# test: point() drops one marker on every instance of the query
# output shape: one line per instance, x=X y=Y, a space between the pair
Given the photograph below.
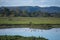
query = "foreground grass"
x=28 y=20
x=21 y=38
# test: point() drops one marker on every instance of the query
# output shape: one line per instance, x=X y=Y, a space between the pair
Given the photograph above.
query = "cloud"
x=30 y=3
x=15 y=2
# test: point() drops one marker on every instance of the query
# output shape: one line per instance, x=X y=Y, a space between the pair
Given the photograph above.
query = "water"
x=52 y=34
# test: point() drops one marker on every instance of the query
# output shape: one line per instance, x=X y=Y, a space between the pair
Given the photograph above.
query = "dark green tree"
x=6 y=12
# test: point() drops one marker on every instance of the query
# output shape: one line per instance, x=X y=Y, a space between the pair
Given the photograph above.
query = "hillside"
x=30 y=11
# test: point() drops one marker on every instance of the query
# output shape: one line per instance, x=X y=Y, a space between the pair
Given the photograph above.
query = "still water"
x=52 y=34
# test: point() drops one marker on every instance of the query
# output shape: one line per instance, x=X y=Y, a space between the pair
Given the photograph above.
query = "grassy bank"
x=28 y=20
x=37 y=26
x=31 y=22
x=21 y=38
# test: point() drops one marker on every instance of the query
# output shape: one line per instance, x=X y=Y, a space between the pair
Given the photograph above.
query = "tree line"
x=24 y=13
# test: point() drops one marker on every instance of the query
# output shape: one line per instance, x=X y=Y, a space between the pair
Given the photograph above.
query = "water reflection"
x=52 y=34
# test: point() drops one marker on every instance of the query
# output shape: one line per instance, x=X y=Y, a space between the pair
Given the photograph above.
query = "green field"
x=28 y=20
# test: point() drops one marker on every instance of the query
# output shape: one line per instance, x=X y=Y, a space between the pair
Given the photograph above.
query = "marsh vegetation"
x=21 y=38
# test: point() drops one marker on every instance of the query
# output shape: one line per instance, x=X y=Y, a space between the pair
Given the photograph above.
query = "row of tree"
x=24 y=13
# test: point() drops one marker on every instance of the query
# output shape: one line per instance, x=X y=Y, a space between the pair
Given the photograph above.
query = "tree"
x=24 y=13
x=39 y=13
x=35 y=14
x=6 y=12
x=12 y=13
x=17 y=13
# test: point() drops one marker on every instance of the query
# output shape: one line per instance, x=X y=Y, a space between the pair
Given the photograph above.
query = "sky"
x=41 y=3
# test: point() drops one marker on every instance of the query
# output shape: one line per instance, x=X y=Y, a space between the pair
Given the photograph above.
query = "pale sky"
x=41 y=3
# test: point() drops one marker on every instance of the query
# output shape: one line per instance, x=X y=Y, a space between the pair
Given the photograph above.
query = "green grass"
x=27 y=20
x=21 y=38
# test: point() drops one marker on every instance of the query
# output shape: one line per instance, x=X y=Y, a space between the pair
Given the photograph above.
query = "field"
x=29 y=20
